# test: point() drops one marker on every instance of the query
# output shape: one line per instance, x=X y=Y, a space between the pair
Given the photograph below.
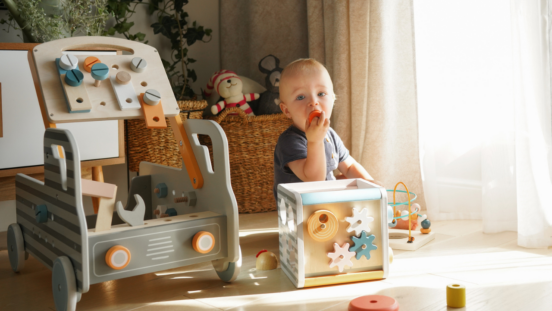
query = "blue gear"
x=359 y=242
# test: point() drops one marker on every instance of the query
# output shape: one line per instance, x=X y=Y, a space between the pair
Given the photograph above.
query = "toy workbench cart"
x=333 y=232
x=173 y=218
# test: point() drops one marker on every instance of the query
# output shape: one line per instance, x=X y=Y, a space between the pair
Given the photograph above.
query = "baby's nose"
x=229 y=81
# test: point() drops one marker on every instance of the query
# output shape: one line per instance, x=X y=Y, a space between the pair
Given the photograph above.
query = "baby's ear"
x=284 y=109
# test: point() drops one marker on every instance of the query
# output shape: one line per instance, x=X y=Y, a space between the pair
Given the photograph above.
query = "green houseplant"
x=172 y=23
x=46 y=20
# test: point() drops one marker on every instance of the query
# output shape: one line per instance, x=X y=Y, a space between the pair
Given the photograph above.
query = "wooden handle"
x=185 y=148
x=93 y=43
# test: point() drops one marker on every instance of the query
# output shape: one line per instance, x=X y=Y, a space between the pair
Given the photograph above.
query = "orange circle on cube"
x=117 y=257
x=314 y=114
x=89 y=62
x=322 y=225
x=374 y=303
x=203 y=242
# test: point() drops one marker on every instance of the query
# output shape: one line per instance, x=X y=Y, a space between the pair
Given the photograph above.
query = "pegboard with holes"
x=111 y=93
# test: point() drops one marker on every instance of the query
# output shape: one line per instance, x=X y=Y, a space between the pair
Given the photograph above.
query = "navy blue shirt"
x=292 y=146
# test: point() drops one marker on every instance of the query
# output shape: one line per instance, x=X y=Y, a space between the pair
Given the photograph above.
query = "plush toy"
x=269 y=101
x=229 y=86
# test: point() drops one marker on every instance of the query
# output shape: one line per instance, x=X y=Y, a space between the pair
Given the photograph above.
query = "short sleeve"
x=341 y=150
x=291 y=146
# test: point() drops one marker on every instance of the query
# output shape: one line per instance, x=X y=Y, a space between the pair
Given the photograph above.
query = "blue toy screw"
x=74 y=77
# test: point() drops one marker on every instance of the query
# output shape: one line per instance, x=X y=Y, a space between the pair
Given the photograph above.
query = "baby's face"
x=303 y=92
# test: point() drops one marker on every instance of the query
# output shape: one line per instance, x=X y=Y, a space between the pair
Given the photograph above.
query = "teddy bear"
x=229 y=86
x=269 y=101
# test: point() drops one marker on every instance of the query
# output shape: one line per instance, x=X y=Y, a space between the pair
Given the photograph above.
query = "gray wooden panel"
x=144 y=246
x=64 y=233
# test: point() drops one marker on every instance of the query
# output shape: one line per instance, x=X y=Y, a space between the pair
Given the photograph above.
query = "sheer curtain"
x=485 y=115
x=368 y=48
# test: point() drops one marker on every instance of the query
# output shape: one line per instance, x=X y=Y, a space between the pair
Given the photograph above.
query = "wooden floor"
x=498 y=275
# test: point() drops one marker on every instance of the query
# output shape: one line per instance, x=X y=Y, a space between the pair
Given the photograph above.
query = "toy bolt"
x=152 y=97
x=99 y=72
x=68 y=62
x=138 y=64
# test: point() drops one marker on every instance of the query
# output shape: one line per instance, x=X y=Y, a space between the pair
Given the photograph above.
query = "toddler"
x=310 y=151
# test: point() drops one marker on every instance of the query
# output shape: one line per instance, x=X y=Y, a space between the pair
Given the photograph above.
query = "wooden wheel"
x=228 y=271
x=322 y=225
x=16 y=248
x=64 y=285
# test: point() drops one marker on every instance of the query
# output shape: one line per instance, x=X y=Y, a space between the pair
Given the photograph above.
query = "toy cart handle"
x=96 y=43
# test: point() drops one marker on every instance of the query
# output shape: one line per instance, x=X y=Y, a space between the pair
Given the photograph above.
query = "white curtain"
x=485 y=116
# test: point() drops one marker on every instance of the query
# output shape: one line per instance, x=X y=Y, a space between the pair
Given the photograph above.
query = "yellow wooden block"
x=344 y=278
x=456 y=295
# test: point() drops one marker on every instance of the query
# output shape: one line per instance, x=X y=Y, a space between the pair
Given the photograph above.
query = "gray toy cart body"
x=77 y=255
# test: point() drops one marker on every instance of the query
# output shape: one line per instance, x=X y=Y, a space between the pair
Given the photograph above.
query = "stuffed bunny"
x=229 y=86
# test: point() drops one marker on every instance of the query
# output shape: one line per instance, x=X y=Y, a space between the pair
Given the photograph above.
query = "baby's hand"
x=317 y=129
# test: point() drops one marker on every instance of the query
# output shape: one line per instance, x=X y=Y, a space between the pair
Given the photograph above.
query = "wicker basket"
x=158 y=145
x=251 y=143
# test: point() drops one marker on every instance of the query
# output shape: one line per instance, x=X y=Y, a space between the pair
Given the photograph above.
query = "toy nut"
x=41 y=213
x=266 y=261
x=192 y=198
x=171 y=212
x=161 y=190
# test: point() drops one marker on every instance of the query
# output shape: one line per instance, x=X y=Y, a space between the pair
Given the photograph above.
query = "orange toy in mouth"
x=314 y=114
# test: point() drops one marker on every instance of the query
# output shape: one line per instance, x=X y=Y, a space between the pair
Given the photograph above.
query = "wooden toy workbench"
x=173 y=218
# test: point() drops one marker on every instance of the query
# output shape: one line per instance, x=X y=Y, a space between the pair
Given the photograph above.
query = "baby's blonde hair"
x=303 y=65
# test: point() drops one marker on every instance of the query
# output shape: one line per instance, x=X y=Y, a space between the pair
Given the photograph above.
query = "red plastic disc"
x=374 y=303
x=314 y=114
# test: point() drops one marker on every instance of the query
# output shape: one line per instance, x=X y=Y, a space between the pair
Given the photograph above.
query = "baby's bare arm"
x=313 y=168
x=352 y=169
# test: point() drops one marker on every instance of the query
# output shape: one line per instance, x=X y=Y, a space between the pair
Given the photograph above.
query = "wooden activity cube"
x=312 y=218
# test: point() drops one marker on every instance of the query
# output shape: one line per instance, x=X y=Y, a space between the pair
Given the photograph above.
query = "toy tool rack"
x=174 y=217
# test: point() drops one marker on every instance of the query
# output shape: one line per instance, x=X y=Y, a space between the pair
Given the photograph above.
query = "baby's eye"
x=300 y=97
x=321 y=94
